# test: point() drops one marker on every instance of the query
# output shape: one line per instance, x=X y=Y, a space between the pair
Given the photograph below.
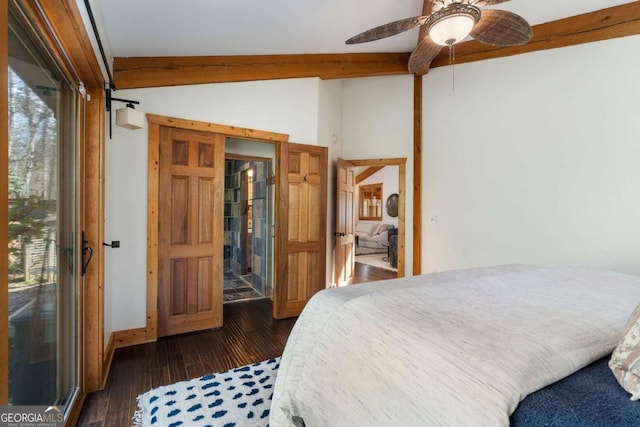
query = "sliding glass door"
x=44 y=237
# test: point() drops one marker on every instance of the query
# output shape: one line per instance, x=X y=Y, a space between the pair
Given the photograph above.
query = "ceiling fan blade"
x=423 y=55
x=483 y=3
x=502 y=28
x=387 y=30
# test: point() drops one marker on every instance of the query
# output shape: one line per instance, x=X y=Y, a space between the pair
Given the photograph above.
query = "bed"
x=591 y=397
x=452 y=348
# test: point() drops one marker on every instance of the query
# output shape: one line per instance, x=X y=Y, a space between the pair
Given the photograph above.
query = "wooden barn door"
x=301 y=236
x=345 y=223
x=190 y=248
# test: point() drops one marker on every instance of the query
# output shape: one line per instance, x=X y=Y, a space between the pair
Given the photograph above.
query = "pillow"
x=383 y=227
x=374 y=230
x=625 y=359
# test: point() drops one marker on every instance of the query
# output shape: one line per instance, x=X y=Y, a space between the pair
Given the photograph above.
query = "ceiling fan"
x=450 y=22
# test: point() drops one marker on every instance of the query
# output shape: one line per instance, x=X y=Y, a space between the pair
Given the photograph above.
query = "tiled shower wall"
x=260 y=227
x=232 y=221
x=232 y=206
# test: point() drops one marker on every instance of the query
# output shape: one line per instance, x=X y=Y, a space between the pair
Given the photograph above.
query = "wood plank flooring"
x=368 y=273
x=249 y=334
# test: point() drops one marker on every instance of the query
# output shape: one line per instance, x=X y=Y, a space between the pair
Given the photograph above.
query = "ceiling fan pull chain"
x=452 y=61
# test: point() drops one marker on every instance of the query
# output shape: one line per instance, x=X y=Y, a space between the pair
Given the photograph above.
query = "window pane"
x=42 y=231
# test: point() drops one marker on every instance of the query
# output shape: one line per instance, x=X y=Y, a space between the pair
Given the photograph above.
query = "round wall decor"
x=392 y=205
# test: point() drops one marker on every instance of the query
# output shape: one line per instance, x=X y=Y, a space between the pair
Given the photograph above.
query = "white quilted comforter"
x=458 y=348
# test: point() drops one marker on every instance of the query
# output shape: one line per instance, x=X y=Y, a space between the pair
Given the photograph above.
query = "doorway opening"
x=299 y=232
x=370 y=220
x=248 y=219
x=376 y=219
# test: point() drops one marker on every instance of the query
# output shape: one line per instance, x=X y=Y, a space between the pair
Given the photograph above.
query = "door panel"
x=205 y=277
x=191 y=227
x=45 y=293
x=179 y=286
x=345 y=223
x=303 y=278
x=205 y=213
x=179 y=203
x=301 y=241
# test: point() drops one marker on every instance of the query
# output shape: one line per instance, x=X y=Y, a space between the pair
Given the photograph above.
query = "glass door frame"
x=64 y=32
x=63 y=365
x=4 y=205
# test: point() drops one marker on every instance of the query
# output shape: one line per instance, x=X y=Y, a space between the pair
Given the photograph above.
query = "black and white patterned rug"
x=238 y=397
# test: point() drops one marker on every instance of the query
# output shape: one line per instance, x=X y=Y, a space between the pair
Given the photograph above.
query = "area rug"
x=238 y=288
x=376 y=260
x=360 y=250
x=235 y=398
x=240 y=294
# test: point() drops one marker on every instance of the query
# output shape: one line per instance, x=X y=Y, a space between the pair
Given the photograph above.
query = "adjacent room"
x=248 y=211
x=225 y=214
x=377 y=216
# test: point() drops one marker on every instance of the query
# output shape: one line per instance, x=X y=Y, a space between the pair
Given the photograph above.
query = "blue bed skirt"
x=589 y=398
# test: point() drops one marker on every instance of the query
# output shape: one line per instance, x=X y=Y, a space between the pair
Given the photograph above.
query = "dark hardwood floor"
x=368 y=273
x=249 y=334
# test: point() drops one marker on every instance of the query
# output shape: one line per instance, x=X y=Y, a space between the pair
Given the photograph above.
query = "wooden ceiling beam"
x=132 y=73
x=604 y=24
x=427 y=6
x=129 y=73
x=367 y=173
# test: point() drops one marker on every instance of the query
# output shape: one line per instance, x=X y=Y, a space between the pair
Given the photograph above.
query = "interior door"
x=301 y=236
x=190 y=249
x=345 y=223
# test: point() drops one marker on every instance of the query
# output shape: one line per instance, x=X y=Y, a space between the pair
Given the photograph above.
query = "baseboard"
x=119 y=339
x=108 y=358
x=130 y=337
x=74 y=415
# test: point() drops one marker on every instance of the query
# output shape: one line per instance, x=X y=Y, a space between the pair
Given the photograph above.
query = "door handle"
x=339 y=234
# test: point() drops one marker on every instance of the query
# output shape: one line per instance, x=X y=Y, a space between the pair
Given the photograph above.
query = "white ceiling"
x=253 y=27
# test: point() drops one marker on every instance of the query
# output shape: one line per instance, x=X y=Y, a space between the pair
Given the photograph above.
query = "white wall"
x=388 y=176
x=245 y=147
x=286 y=106
x=330 y=135
x=534 y=159
x=378 y=123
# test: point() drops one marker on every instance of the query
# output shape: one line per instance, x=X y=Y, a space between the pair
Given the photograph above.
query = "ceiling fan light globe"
x=452 y=24
x=451 y=29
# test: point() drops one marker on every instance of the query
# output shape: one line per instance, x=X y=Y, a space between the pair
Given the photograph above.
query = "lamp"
x=452 y=24
x=127 y=117
x=130 y=118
